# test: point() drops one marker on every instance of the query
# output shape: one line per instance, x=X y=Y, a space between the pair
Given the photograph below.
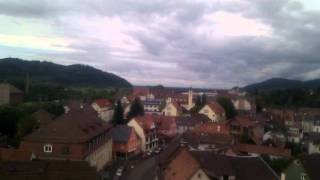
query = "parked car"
x=120 y=171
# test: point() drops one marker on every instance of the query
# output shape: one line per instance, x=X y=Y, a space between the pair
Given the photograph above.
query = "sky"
x=198 y=43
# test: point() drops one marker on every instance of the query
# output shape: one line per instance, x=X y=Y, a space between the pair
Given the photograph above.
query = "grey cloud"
x=171 y=50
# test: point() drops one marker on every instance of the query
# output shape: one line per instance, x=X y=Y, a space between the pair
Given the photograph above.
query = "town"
x=160 y=133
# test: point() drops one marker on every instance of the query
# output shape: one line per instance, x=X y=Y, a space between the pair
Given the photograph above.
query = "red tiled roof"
x=212 y=128
x=244 y=121
x=166 y=125
x=217 y=108
x=182 y=167
x=40 y=170
x=164 y=122
x=76 y=126
x=103 y=102
x=257 y=149
x=14 y=155
x=43 y=117
x=140 y=91
x=146 y=122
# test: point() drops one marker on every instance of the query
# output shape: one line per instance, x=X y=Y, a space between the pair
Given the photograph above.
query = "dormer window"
x=47 y=148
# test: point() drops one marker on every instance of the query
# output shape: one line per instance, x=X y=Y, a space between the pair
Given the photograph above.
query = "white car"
x=119 y=171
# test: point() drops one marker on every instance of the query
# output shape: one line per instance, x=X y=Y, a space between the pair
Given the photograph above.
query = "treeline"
x=291 y=98
x=49 y=92
x=17 y=121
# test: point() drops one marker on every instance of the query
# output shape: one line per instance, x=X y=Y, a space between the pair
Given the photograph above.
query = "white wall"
x=101 y=156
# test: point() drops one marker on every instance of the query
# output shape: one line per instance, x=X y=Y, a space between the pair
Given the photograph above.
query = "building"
x=306 y=168
x=219 y=143
x=10 y=94
x=245 y=126
x=152 y=106
x=213 y=111
x=172 y=109
x=184 y=167
x=76 y=135
x=294 y=132
x=145 y=129
x=255 y=150
x=218 y=166
x=104 y=108
x=212 y=128
x=125 y=142
x=242 y=104
x=47 y=169
x=166 y=128
x=190 y=104
x=311 y=123
x=312 y=142
x=188 y=123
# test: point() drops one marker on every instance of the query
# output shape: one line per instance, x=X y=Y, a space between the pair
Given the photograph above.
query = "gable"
x=206 y=110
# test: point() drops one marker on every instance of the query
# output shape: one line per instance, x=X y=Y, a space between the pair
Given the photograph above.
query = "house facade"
x=145 y=129
x=242 y=104
x=184 y=167
x=214 y=112
x=304 y=168
x=172 y=109
x=104 y=108
x=152 y=106
x=125 y=142
x=10 y=94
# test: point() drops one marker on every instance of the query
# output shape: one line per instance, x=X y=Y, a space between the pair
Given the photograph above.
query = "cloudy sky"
x=199 y=43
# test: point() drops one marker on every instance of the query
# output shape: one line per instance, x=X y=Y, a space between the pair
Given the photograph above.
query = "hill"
x=15 y=70
x=283 y=84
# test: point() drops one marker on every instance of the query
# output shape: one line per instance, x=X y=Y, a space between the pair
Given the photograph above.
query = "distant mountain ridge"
x=281 y=83
x=13 y=69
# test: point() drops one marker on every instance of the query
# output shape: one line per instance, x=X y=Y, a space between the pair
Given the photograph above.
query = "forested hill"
x=283 y=84
x=15 y=70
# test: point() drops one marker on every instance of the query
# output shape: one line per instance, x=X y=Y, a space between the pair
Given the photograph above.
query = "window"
x=47 y=148
x=303 y=176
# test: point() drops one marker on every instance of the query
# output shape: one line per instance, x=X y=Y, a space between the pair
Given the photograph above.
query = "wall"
x=4 y=94
x=76 y=151
x=170 y=110
x=140 y=133
x=102 y=156
x=206 y=110
x=200 y=175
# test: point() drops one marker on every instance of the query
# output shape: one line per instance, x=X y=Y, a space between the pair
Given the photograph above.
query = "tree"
x=136 y=108
x=204 y=99
x=26 y=125
x=118 y=114
x=228 y=107
x=54 y=108
x=9 y=117
x=198 y=101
